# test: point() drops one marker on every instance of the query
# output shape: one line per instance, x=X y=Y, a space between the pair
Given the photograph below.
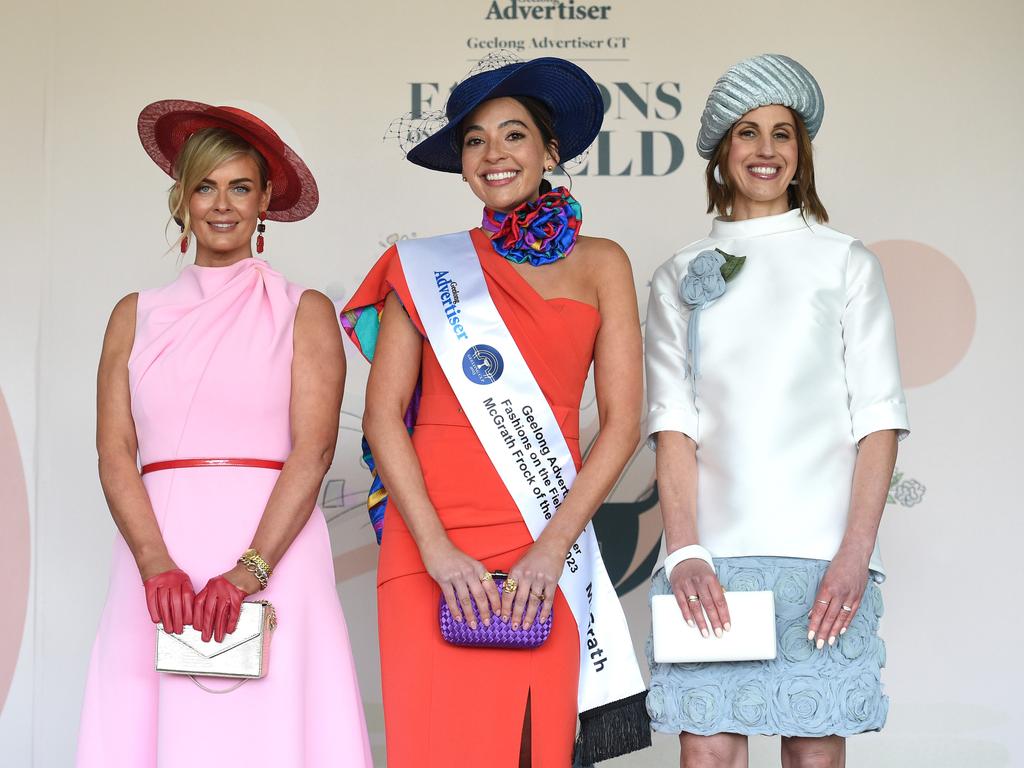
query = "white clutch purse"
x=243 y=655
x=752 y=637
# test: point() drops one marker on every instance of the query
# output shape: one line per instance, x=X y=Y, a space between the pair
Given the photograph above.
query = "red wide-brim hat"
x=165 y=126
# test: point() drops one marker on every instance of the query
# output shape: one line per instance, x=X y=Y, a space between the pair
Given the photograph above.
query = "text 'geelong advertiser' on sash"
x=524 y=437
x=448 y=291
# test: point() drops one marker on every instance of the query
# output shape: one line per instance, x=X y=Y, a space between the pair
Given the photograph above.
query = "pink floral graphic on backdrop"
x=14 y=550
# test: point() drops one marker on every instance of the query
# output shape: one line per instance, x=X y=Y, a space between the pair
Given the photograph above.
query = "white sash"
x=515 y=424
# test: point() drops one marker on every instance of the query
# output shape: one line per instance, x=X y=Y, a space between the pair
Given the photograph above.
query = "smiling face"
x=763 y=158
x=504 y=154
x=224 y=210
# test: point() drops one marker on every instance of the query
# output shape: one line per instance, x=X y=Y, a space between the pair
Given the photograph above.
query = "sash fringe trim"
x=613 y=729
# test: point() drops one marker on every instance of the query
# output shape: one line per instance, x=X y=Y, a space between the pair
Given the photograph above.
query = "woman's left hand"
x=838 y=597
x=219 y=603
x=536 y=578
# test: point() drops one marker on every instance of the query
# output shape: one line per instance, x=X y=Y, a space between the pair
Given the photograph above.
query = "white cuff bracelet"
x=691 y=552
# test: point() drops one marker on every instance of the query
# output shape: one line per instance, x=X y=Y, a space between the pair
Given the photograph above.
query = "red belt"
x=156 y=466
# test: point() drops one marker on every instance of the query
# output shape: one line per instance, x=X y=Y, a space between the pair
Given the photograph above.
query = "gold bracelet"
x=257 y=566
x=256 y=557
x=255 y=570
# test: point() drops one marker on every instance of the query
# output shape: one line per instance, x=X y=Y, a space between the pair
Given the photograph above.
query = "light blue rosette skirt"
x=803 y=691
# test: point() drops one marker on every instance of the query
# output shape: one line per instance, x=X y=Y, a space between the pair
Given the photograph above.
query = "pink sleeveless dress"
x=210 y=377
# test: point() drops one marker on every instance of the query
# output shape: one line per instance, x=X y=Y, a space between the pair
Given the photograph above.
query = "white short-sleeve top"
x=797 y=364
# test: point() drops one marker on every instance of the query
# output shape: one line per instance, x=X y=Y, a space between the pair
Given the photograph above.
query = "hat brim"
x=572 y=96
x=165 y=126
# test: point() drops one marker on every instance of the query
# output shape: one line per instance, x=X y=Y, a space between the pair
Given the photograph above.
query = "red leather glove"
x=217 y=608
x=169 y=597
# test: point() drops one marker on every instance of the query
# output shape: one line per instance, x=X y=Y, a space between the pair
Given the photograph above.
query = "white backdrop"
x=919 y=156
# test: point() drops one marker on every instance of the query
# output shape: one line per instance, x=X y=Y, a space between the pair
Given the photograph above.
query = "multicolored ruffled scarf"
x=540 y=232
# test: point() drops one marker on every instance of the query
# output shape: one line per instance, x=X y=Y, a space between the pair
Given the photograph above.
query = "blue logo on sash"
x=482 y=364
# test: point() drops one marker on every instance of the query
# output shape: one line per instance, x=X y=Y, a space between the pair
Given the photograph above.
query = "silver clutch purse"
x=243 y=655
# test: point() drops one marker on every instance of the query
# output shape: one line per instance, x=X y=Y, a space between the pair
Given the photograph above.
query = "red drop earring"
x=184 y=240
x=261 y=228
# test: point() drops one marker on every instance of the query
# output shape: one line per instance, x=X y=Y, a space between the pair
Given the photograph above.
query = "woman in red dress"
x=450 y=519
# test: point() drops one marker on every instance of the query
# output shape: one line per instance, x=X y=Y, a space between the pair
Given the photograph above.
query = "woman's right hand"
x=694 y=577
x=169 y=597
x=460 y=578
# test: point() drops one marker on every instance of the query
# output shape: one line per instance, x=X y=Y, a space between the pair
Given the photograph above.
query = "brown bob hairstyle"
x=802 y=195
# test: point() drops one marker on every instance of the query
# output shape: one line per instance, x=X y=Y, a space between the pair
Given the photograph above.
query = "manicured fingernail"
x=691 y=622
x=810 y=635
x=842 y=631
x=526 y=625
x=718 y=631
x=728 y=626
x=487 y=622
x=832 y=640
x=472 y=625
x=458 y=619
x=705 y=633
x=821 y=643
x=515 y=625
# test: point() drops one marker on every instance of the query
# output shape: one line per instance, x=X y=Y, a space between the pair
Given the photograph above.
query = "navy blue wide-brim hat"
x=570 y=94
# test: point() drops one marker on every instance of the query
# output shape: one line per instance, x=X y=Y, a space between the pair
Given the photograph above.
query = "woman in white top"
x=775 y=406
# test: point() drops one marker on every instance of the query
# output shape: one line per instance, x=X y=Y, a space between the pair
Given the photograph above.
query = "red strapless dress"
x=445 y=705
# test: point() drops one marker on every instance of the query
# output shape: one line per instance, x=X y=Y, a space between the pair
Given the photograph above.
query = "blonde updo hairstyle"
x=204 y=151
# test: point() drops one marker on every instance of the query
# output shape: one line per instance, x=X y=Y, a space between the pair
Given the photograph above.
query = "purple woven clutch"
x=498 y=635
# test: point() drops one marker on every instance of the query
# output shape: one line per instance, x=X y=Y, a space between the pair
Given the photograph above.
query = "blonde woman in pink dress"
x=229 y=361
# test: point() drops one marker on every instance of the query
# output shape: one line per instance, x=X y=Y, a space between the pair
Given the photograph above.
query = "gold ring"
x=693 y=598
x=847 y=608
x=510 y=585
x=539 y=596
x=486 y=576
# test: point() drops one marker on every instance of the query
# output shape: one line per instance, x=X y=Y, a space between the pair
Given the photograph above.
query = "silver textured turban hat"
x=766 y=79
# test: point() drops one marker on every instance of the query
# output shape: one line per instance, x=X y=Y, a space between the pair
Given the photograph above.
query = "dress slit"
x=526 y=740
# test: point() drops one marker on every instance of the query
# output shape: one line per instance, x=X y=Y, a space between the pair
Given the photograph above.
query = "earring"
x=717 y=173
x=793 y=182
x=549 y=168
x=184 y=240
x=261 y=228
x=464 y=178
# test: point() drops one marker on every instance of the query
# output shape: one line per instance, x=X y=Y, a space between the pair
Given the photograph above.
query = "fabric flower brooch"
x=705 y=280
